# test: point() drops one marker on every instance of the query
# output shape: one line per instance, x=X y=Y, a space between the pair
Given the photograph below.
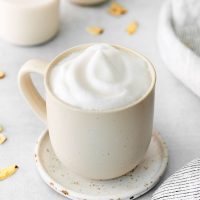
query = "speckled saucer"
x=129 y=186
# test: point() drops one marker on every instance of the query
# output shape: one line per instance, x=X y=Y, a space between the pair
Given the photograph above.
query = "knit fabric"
x=179 y=40
x=183 y=185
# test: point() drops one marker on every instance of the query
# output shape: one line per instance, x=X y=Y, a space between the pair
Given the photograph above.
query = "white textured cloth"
x=183 y=185
x=179 y=40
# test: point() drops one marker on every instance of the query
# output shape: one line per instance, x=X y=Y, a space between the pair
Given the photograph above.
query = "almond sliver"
x=7 y=172
x=2 y=138
x=132 y=28
x=116 y=9
x=2 y=75
x=95 y=30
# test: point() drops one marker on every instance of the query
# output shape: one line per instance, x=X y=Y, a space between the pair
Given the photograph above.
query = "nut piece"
x=2 y=138
x=132 y=28
x=1 y=128
x=95 y=30
x=5 y=173
x=116 y=9
x=2 y=75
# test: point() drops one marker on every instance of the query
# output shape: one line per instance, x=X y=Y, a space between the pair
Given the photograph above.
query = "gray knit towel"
x=179 y=40
x=183 y=185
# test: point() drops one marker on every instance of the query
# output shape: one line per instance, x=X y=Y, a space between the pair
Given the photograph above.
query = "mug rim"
x=69 y=51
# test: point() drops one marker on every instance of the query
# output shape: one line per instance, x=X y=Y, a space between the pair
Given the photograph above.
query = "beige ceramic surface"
x=94 y=144
x=88 y=2
x=24 y=23
x=129 y=186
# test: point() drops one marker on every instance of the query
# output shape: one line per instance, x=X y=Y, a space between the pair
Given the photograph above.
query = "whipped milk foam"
x=100 y=77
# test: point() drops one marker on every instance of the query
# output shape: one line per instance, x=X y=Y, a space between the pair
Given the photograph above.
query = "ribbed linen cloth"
x=183 y=185
x=179 y=40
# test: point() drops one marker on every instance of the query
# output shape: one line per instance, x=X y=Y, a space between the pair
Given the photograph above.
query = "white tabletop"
x=177 y=110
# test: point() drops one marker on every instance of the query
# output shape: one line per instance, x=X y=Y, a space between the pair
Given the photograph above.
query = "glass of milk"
x=28 y=22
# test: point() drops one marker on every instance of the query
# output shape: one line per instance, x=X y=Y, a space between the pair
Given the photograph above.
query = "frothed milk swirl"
x=100 y=77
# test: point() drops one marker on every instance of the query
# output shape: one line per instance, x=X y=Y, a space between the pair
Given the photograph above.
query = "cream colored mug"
x=94 y=144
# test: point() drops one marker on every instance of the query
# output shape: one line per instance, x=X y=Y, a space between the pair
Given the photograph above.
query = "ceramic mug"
x=95 y=144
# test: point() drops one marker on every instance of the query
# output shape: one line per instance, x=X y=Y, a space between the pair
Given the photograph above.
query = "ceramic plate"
x=130 y=186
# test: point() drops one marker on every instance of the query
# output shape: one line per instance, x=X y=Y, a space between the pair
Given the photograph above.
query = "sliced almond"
x=132 y=28
x=117 y=9
x=1 y=128
x=2 y=75
x=2 y=138
x=95 y=30
x=7 y=172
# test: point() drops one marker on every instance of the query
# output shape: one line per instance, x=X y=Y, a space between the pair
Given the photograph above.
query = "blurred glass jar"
x=28 y=22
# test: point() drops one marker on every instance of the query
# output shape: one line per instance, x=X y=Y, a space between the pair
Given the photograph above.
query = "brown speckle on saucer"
x=51 y=184
x=64 y=192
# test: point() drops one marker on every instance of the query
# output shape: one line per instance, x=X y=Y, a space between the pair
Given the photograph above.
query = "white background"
x=177 y=110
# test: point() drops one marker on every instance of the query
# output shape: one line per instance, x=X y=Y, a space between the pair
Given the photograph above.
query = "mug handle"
x=29 y=91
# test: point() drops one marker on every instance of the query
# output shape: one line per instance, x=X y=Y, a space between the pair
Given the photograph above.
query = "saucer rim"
x=53 y=184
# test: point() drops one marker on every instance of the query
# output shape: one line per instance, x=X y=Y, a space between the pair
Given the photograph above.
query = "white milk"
x=100 y=77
